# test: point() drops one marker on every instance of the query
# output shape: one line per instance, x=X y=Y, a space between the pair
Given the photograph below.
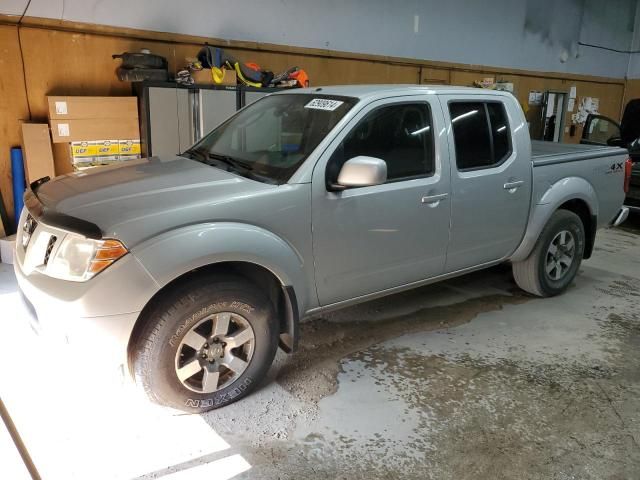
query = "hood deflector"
x=59 y=220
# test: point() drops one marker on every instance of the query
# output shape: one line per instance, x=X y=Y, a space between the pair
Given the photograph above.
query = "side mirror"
x=362 y=171
x=615 y=142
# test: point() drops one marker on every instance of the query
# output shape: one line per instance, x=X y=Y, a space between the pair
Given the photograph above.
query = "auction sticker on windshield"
x=323 y=104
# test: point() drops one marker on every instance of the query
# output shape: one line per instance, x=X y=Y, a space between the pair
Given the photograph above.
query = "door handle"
x=513 y=185
x=434 y=199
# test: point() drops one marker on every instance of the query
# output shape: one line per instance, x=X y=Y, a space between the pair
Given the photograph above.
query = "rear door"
x=490 y=179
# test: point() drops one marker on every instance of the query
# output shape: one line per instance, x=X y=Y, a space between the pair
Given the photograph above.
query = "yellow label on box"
x=83 y=149
x=106 y=148
x=129 y=147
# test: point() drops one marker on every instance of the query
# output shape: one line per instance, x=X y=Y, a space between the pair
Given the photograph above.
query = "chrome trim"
x=434 y=198
x=513 y=185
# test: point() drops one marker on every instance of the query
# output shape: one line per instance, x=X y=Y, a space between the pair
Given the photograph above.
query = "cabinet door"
x=216 y=106
x=250 y=97
x=163 y=125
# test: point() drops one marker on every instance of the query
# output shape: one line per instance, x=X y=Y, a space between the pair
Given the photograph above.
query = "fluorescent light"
x=502 y=128
x=418 y=132
x=464 y=115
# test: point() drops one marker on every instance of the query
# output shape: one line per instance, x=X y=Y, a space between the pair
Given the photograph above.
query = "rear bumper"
x=620 y=217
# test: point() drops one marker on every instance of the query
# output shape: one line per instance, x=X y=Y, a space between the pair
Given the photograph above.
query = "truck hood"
x=142 y=197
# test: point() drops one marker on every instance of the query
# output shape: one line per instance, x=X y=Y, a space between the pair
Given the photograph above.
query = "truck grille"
x=47 y=253
x=28 y=228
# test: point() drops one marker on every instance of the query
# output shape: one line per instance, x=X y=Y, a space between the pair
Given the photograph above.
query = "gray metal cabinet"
x=173 y=117
x=215 y=106
x=251 y=96
x=163 y=104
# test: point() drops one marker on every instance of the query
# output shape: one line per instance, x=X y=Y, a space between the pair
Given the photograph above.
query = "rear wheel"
x=556 y=257
x=207 y=344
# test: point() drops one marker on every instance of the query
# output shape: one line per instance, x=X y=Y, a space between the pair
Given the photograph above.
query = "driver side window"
x=400 y=134
x=601 y=129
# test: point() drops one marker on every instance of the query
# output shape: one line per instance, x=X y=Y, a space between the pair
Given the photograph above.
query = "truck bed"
x=549 y=153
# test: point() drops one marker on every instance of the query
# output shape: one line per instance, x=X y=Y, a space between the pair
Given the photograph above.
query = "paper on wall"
x=535 y=97
x=587 y=105
x=571 y=104
x=573 y=92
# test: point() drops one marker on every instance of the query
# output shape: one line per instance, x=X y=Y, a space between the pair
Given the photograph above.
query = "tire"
x=196 y=312
x=532 y=275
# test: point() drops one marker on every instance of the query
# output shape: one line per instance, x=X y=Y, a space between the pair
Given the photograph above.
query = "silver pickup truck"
x=191 y=270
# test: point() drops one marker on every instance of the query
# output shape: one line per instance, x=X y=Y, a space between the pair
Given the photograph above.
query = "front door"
x=490 y=180
x=600 y=130
x=369 y=239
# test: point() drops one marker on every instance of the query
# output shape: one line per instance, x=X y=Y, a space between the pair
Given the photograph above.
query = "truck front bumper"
x=96 y=316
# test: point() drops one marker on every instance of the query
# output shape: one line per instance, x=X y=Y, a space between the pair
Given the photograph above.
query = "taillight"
x=628 y=166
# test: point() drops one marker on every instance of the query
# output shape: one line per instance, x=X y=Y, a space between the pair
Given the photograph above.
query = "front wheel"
x=207 y=344
x=556 y=257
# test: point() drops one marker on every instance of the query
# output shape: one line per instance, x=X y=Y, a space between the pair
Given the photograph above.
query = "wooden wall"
x=13 y=107
x=631 y=90
x=72 y=59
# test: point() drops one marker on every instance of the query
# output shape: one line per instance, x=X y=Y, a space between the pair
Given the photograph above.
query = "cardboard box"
x=204 y=77
x=66 y=131
x=92 y=107
x=6 y=249
x=38 y=156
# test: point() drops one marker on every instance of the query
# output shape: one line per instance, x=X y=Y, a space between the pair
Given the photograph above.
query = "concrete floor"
x=466 y=379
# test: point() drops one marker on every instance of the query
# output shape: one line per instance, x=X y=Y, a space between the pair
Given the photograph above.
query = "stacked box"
x=103 y=152
x=98 y=130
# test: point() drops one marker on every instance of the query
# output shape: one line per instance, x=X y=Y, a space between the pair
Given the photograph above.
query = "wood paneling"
x=13 y=107
x=631 y=91
x=249 y=46
x=609 y=94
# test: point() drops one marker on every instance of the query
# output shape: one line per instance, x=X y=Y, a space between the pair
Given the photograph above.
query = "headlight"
x=78 y=258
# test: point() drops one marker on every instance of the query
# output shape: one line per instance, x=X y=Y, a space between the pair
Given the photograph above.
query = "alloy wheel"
x=560 y=255
x=215 y=352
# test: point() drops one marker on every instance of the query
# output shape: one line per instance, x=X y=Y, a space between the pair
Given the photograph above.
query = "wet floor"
x=465 y=379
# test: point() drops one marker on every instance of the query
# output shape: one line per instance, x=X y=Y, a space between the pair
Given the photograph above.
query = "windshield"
x=269 y=140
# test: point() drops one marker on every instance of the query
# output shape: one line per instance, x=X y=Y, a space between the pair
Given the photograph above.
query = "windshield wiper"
x=194 y=153
x=232 y=162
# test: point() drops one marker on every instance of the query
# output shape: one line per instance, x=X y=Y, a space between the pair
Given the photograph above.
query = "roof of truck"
x=367 y=91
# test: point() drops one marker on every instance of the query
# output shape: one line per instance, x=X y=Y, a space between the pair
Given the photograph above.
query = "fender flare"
x=172 y=254
x=559 y=193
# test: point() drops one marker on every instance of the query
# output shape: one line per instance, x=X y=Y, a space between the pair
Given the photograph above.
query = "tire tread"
x=176 y=301
x=526 y=273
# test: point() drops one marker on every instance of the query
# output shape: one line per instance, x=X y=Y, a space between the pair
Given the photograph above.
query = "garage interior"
x=466 y=378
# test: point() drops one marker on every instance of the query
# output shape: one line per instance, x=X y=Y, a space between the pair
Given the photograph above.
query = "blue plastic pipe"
x=17 y=173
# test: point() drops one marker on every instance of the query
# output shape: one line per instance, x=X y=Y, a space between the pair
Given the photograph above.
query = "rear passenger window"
x=481 y=134
x=500 y=132
x=401 y=135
